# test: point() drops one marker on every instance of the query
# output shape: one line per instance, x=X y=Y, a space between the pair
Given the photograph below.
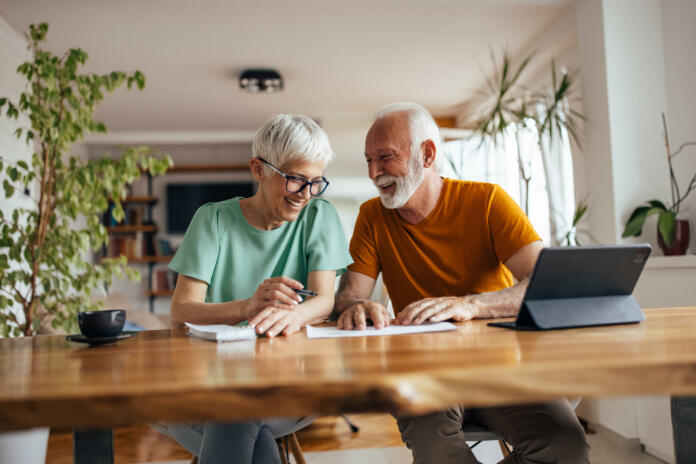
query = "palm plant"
x=548 y=112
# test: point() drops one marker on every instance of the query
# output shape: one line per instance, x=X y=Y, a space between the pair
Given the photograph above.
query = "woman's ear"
x=256 y=168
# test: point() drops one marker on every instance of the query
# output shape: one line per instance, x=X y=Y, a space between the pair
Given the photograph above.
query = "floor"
x=330 y=439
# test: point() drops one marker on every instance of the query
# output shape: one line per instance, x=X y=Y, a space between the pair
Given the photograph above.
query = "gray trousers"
x=539 y=433
x=251 y=442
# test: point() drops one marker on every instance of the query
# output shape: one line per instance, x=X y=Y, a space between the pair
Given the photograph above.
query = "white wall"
x=638 y=61
x=636 y=100
x=679 y=36
x=13 y=52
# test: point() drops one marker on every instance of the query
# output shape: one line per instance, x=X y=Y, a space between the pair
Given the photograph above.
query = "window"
x=517 y=155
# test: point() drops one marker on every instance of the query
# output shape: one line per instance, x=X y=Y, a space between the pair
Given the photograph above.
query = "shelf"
x=145 y=259
x=208 y=167
x=149 y=199
x=160 y=293
x=662 y=262
x=151 y=259
x=130 y=229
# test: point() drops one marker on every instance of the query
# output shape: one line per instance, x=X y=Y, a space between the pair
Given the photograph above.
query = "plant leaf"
x=634 y=226
x=658 y=204
x=665 y=225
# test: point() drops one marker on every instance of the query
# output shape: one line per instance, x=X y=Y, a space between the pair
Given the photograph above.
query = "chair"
x=289 y=444
x=478 y=434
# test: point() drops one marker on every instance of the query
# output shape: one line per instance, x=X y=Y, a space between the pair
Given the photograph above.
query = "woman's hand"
x=273 y=321
x=276 y=292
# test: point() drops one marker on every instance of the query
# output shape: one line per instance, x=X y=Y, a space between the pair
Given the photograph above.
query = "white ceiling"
x=336 y=57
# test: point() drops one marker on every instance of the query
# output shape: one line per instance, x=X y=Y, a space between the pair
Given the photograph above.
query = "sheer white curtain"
x=551 y=183
x=558 y=168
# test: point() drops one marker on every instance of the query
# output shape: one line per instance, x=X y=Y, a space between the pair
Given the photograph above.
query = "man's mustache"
x=381 y=181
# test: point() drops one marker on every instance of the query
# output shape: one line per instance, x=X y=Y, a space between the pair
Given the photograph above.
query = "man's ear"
x=429 y=153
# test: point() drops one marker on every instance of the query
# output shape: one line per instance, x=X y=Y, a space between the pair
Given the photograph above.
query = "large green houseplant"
x=667 y=215
x=46 y=271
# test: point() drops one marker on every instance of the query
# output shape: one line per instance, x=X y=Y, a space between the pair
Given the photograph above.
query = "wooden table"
x=166 y=375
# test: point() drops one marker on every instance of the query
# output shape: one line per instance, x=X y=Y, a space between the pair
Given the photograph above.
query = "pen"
x=305 y=292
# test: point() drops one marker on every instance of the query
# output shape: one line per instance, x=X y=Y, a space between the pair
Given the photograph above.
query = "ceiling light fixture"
x=261 y=80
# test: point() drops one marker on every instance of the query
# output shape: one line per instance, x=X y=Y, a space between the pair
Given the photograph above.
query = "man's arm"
x=501 y=303
x=353 y=306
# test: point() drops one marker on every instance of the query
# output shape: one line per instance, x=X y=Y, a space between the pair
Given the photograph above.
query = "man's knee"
x=562 y=442
x=424 y=428
x=436 y=437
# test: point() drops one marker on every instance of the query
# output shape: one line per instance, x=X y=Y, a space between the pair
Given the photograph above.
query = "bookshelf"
x=136 y=238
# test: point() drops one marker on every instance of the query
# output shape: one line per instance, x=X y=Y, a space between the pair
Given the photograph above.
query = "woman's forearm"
x=316 y=309
x=231 y=312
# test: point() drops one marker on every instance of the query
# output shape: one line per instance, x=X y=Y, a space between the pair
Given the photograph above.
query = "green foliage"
x=505 y=108
x=509 y=104
x=570 y=238
x=665 y=223
x=44 y=253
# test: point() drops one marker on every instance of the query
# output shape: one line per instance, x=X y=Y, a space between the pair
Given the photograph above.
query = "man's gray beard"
x=405 y=186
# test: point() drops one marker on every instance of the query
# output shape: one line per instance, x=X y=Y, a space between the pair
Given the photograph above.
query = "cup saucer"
x=79 y=338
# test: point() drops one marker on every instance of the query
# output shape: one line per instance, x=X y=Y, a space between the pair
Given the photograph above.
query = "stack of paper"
x=335 y=332
x=222 y=332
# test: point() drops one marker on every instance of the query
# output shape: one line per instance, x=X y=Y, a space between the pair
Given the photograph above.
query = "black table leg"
x=684 y=428
x=93 y=446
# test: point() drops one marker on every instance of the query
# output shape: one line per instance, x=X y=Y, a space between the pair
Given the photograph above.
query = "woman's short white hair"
x=291 y=137
x=421 y=124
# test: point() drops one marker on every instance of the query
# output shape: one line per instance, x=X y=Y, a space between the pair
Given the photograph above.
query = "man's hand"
x=355 y=316
x=273 y=321
x=437 y=310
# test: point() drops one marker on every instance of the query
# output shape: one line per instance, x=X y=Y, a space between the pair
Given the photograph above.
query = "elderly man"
x=448 y=250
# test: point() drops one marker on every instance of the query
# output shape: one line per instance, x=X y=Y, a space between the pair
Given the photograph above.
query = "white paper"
x=335 y=332
x=222 y=332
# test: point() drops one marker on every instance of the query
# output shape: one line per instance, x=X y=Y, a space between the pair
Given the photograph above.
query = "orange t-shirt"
x=458 y=249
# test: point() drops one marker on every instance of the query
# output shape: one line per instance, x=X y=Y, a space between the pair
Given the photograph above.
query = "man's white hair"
x=421 y=124
x=291 y=137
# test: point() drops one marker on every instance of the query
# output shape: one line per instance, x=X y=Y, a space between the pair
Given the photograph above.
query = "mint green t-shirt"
x=221 y=248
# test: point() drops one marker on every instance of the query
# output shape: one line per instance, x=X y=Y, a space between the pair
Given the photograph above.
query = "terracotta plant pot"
x=681 y=239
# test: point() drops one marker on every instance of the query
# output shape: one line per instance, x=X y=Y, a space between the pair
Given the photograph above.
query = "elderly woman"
x=243 y=259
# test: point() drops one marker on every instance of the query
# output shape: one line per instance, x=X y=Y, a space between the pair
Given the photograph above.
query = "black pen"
x=305 y=292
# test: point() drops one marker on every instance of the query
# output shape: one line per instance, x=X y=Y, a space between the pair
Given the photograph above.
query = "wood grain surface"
x=46 y=380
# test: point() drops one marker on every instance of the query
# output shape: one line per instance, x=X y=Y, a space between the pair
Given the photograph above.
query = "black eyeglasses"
x=294 y=184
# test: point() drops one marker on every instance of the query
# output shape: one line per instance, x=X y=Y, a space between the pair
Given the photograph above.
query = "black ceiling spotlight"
x=261 y=80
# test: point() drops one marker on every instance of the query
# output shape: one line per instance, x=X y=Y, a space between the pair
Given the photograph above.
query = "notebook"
x=222 y=332
x=582 y=287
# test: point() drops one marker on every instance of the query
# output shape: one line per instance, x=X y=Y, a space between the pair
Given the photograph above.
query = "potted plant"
x=45 y=266
x=46 y=273
x=547 y=113
x=673 y=233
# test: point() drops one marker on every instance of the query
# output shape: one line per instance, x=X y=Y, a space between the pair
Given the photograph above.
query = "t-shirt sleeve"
x=198 y=253
x=327 y=249
x=363 y=247
x=510 y=227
